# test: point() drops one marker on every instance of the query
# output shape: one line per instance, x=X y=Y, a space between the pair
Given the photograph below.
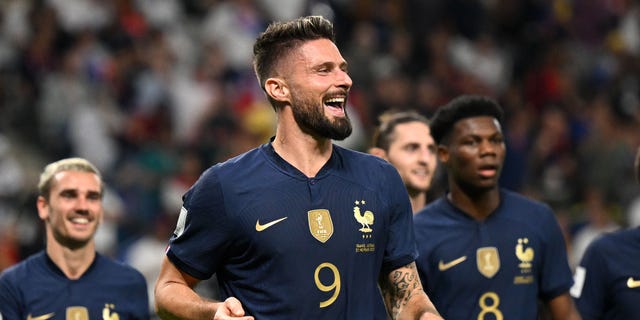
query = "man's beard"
x=312 y=120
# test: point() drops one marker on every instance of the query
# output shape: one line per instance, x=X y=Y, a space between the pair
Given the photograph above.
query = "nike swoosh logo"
x=631 y=283
x=445 y=266
x=42 y=317
x=262 y=227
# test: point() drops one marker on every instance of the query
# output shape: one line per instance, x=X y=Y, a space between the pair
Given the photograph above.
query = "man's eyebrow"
x=342 y=65
x=325 y=64
x=69 y=191
x=75 y=192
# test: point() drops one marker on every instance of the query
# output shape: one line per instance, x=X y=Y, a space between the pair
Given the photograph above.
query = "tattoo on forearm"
x=399 y=286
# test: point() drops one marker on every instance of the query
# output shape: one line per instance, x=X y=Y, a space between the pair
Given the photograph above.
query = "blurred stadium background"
x=155 y=91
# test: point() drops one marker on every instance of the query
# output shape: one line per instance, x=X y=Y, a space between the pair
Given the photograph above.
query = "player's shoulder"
x=611 y=240
x=524 y=210
x=525 y=205
x=432 y=206
x=510 y=197
x=15 y=271
x=117 y=268
x=366 y=170
x=433 y=211
x=351 y=153
x=358 y=160
x=24 y=270
x=240 y=161
x=232 y=166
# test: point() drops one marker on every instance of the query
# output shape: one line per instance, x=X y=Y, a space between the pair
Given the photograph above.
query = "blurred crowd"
x=155 y=91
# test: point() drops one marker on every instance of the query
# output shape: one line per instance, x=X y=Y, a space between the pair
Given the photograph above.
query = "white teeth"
x=421 y=172
x=80 y=220
x=335 y=100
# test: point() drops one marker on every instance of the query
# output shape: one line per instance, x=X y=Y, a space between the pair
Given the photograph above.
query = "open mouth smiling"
x=336 y=104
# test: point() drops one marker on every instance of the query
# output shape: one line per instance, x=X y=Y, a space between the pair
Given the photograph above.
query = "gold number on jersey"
x=489 y=308
x=335 y=285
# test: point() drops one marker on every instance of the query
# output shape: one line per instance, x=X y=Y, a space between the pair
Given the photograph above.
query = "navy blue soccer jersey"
x=607 y=281
x=493 y=269
x=292 y=247
x=37 y=289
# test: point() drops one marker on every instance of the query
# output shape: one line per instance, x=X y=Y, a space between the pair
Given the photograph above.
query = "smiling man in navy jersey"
x=403 y=138
x=69 y=280
x=297 y=228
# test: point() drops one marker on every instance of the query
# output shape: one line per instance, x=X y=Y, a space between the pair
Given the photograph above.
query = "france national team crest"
x=524 y=255
x=320 y=224
x=108 y=313
x=364 y=219
x=488 y=261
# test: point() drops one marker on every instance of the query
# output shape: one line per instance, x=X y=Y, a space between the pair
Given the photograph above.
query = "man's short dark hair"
x=280 y=38
x=462 y=107
x=383 y=135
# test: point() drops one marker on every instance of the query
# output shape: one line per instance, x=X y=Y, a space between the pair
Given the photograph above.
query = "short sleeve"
x=203 y=233
x=401 y=248
x=556 y=277
x=589 y=288
x=9 y=303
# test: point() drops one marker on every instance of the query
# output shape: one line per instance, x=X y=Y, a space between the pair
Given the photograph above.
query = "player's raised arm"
x=404 y=297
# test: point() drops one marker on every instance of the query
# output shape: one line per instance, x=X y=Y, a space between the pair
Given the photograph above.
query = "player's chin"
x=76 y=240
x=487 y=184
x=419 y=186
x=421 y=181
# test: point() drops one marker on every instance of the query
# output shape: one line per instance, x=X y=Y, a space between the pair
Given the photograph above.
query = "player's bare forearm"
x=175 y=298
x=404 y=296
x=187 y=309
x=562 y=307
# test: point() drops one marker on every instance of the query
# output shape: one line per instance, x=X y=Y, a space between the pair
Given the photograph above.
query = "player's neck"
x=73 y=262
x=477 y=205
x=303 y=151
x=418 y=201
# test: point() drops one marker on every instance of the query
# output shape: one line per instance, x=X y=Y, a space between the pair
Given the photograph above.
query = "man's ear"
x=43 y=211
x=443 y=154
x=277 y=89
x=378 y=152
